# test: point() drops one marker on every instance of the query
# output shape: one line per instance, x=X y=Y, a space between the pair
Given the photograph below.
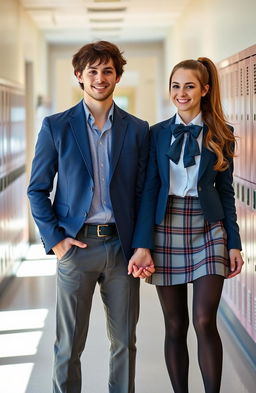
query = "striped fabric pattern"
x=187 y=246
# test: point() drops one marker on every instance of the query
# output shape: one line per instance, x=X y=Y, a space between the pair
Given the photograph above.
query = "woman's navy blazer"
x=215 y=190
x=63 y=148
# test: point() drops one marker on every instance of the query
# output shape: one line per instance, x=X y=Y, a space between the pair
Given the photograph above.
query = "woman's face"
x=186 y=92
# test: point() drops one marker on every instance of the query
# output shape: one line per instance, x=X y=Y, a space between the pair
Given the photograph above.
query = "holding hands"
x=141 y=264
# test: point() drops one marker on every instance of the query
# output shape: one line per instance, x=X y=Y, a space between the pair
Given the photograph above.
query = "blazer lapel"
x=163 y=145
x=79 y=128
x=206 y=155
x=119 y=129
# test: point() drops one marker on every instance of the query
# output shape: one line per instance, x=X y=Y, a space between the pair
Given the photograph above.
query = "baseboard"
x=238 y=333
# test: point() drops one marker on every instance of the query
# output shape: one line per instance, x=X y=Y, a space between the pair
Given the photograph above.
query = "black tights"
x=206 y=296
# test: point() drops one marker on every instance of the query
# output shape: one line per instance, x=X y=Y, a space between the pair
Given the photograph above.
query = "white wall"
x=212 y=28
x=144 y=73
x=21 y=41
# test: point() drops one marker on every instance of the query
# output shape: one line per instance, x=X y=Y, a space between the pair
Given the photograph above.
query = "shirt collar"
x=197 y=121
x=89 y=117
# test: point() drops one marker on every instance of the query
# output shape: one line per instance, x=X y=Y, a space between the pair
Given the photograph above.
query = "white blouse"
x=183 y=181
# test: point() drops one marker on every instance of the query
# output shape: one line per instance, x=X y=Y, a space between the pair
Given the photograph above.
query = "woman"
x=188 y=219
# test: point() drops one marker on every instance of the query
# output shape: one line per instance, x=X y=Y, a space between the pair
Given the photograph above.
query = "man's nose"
x=100 y=77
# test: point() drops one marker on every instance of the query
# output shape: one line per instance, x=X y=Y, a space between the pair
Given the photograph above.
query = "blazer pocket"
x=61 y=209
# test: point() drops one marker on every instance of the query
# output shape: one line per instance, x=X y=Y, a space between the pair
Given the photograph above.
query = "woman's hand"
x=236 y=262
x=141 y=264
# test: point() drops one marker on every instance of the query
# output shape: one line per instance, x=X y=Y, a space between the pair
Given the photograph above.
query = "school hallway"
x=37 y=44
x=27 y=328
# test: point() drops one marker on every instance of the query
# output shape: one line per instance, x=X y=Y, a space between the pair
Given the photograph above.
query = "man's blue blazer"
x=63 y=149
x=215 y=190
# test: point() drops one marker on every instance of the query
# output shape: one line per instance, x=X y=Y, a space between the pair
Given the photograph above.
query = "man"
x=99 y=153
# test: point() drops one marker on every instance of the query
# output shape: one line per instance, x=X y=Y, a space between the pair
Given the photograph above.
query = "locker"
x=13 y=205
x=241 y=116
x=248 y=119
x=253 y=109
x=254 y=259
x=249 y=260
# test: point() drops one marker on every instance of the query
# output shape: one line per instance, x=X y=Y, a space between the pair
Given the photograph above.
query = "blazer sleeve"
x=144 y=228
x=44 y=169
x=223 y=184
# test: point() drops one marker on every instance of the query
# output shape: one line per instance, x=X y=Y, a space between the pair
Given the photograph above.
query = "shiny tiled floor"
x=27 y=336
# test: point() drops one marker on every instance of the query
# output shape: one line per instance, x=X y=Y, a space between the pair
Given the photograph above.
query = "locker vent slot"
x=242 y=193
x=237 y=190
x=243 y=308
x=248 y=197
x=247 y=81
x=255 y=313
x=254 y=78
x=249 y=307
x=241 y=82
x=254 y=200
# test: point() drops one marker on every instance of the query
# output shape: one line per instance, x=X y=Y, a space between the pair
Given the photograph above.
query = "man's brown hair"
x=101 y=51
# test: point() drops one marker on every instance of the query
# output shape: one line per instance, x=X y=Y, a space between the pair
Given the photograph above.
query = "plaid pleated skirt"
x=187 y=246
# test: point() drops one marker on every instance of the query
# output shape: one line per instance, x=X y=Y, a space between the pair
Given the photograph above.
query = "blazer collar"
x=119 y=129
x=79 y=128
x=206 y=155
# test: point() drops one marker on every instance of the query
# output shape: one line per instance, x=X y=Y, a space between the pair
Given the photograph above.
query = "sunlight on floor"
x=19 y=344
x=16 y=341
x=15 y=377
x=22 y=319
x=37 y=268
x=37 y=263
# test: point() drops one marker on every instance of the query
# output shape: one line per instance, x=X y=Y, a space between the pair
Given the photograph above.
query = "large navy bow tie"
x=191 y=147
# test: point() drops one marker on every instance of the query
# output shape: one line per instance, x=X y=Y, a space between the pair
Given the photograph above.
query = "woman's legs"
x=206 y=296
x=173 y=300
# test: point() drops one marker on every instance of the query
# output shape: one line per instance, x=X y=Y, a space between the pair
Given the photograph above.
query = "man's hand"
x=61 y=248
x=141 y=264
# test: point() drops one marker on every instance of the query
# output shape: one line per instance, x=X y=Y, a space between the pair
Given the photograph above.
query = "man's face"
x=99 y=80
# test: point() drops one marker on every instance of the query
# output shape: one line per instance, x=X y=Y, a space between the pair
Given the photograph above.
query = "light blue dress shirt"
x=101 y=211
x=183 y=181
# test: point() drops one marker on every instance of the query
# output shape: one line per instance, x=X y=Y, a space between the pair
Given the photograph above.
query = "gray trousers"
x=78 y=272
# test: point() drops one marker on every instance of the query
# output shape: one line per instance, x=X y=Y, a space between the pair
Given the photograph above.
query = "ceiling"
x=73 y=21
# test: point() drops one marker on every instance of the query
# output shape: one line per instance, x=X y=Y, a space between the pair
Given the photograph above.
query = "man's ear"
x=118 y=79
x=78 y=75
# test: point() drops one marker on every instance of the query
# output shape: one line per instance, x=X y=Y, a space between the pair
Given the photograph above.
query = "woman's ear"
x=205 y=90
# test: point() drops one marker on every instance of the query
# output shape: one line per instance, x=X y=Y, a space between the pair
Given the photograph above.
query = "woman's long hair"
x=219 y=138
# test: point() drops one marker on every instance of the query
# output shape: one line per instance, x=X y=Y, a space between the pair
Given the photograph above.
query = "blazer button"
x=199 y=188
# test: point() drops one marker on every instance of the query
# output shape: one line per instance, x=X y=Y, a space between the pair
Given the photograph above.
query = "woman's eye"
x=175 y=86
x=190 y=87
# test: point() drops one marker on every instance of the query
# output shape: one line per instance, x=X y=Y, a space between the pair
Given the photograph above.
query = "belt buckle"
x=99 y=228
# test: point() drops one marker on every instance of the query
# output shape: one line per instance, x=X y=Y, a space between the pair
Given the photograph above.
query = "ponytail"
x=219 y=138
